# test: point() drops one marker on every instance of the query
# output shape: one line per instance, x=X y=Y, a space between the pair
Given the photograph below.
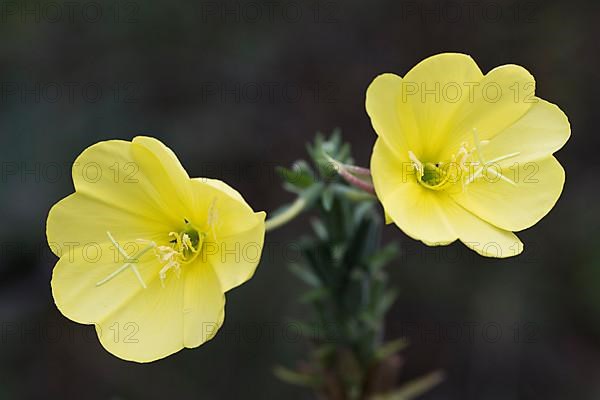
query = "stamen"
x=474 y=176
x=504 y=158
x=434 y=175
x=503 y=177
x=187 y=242
x=484 y=164
x=163 y=272
x=416 y=163
x=182 y=249
x=497 y=174
x=177 y=237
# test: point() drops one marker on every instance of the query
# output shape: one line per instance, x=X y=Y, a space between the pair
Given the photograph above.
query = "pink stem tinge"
x=355 y=181
x=358 y=170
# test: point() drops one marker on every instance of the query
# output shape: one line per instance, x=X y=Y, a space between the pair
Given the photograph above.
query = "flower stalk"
x=287 y=215
x=354 y=175
x=348 y=290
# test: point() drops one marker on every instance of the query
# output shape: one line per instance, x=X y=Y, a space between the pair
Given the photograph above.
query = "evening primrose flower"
x=146 y=253
x=463 y=155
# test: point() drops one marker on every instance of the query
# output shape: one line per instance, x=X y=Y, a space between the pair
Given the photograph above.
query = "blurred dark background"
x=237 y=87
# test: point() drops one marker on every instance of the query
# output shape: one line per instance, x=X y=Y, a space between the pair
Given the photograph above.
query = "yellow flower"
x=146 y=253
x=462 y=155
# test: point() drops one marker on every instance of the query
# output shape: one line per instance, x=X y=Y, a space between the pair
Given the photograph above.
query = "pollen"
x=465 y=166
x=183 y=247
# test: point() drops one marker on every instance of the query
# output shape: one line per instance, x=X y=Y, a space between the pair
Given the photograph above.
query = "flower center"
x=183 y=248
x=434 y=176
x=465 y=166
x=187 y=243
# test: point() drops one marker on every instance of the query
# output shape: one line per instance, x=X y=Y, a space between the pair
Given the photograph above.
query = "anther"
x=416 y=163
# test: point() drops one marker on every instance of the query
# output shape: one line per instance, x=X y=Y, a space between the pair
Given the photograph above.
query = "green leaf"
x=314 y=295
x=382 y=257
x=305 y=274
x=414 y=388
x=297 y=378
x=385 y=302
x=358 y=245
x=313 y=149
x=351 y=193
x=319 y=229
x=348 y=290
x=319 y=259
x=325 y=352
x=336 y=137
x=365 y=211
x=297 y=178
x=390 y=348
x=334 y=147
x=343 y=154
x=312 y=331
x=370 y=320
x=327 y=199
x=311 y=194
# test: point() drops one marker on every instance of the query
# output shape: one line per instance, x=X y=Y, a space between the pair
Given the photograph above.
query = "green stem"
x=347 y=172
x=352 y=193
x=287 y=215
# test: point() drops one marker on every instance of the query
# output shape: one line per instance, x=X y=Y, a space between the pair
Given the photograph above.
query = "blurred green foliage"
x=348 y=289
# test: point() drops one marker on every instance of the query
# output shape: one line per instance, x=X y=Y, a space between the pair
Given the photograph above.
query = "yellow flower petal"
x=235 y=251
x=169 y=178
x=479 y=235
x=415 y=210
x=165 y=158
x=432 y=216
x=388 y=219
x=74 y=222
x=540 y=132
x=235 y=258
x=110 y=173
x=159 y=321
x=137 y=323
x=119 y=184
x=204 y=305
x=438 y=83
x=476 y=166
x=223 y=187
x=77 y=273
x=537 y=187
x=149 y=326
x=503 y=96
x=392 y=118
x=134 y=248
x=232 y=213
